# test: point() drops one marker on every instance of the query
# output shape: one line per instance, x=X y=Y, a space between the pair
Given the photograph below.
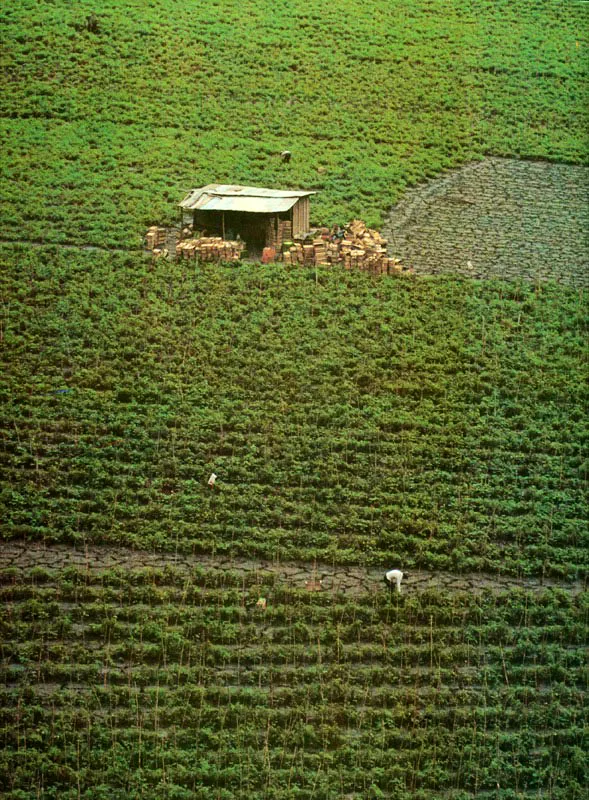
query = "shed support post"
x=223 y=223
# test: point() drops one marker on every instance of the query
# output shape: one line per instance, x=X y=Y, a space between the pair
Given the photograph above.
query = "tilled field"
x=172 y=682
x=498 y=218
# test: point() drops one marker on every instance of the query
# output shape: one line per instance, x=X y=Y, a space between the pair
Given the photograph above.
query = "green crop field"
x=165 y=683
x=103 y=133
x=440 y=422
x=355 y=422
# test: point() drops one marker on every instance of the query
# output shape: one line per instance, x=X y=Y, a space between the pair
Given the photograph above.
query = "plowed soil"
x=497 y=218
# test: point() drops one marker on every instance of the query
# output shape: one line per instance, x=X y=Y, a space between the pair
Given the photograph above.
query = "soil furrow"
x=333 y=578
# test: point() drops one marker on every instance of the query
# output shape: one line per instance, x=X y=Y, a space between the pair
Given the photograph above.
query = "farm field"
x=172 y=683
x=497 y=218
x=354 y=422
x=436 y=421
x=103 y=133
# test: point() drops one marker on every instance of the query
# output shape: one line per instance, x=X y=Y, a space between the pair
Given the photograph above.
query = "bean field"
x=160 y=638
x=436 y=421
x=173 y=683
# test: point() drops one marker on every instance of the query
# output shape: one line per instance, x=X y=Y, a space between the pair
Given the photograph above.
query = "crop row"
x=173 y=683
x=551 y=705
x=222 y=594
x=436 y=422
x=230 y=624
x=263 y=772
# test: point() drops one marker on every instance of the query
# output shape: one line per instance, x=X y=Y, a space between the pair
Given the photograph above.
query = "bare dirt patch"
x=497 y=218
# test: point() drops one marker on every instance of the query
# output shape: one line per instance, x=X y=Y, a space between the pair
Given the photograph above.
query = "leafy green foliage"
x=172 y=684
x=439 y=422
x=104 y=132
x=435 y=422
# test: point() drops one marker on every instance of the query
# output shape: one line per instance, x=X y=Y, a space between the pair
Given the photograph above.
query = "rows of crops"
x=430 y=423
x=104 y=132
x=172 y=683
x=438 y=422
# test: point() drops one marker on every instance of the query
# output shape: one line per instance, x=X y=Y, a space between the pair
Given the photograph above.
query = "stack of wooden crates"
x=356 y=247
x=277 y=235
x=210 y=248
x=155 y=237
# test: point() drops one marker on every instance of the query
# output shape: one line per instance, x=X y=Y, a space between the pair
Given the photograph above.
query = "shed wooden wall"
x=300 y=216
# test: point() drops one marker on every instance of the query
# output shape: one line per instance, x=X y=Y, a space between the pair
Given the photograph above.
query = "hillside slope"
x=436 y=421
x=172 y=683
x=104 y=132
x=355 y=422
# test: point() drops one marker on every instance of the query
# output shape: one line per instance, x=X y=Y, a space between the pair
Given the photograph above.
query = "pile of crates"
x=210 y=248
x=354 y=247
x=155 y=237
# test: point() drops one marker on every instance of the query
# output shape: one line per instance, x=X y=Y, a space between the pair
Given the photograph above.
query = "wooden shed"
x=260 y=217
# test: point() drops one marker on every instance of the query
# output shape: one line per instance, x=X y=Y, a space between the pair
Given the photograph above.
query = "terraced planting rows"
x=436 y=422
x=172 y=683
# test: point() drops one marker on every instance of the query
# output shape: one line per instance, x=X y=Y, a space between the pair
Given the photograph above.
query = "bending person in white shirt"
x=394 y=576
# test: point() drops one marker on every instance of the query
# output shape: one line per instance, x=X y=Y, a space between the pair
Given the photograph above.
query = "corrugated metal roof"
x=256 y=205
x=226 y=197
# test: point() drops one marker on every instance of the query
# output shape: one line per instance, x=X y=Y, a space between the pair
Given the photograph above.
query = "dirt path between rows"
x=334 y=578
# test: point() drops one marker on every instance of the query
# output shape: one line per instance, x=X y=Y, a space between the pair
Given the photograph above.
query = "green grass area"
x=171 y=684
x=437 y=422
x=102 y=133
